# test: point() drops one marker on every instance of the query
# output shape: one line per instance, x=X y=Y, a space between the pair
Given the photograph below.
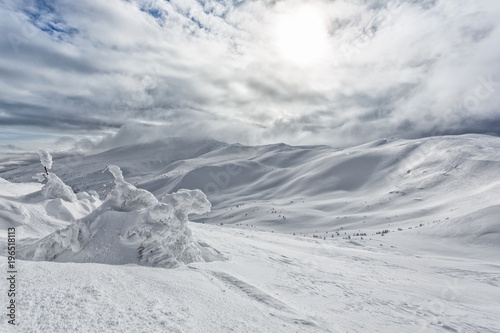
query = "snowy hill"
x=385 y=184
x=404 y=233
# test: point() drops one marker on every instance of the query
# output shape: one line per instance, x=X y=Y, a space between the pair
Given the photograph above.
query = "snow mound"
x=131 y=226
x=39 y=209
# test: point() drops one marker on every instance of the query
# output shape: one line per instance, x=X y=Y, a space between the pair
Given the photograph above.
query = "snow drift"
x=131 y=226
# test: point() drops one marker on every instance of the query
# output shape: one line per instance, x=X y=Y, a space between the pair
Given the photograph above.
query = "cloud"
x=10 y=147
x=125 y=71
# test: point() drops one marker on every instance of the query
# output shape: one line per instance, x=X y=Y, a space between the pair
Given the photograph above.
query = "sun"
x=301 y=36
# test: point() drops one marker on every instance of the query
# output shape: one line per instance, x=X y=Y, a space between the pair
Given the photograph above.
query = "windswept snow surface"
x=390 y=236
x=271 y=283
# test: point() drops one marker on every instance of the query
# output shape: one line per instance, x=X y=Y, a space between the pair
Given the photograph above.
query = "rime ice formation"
x=131 y=226
x=126 y=197
x=45 y=158
x=40 y=209
x=55 y=188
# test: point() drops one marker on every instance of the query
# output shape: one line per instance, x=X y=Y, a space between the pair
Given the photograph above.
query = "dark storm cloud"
x=20 y=114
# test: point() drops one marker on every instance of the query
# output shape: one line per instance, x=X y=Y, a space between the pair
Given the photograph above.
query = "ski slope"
x=391 y=236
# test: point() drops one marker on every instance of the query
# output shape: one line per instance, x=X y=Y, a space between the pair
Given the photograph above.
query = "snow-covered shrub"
x=166 y=237
x=45 y=158
x=40 y=177
x=55 y=188
x=131 y=226
x=125 y=196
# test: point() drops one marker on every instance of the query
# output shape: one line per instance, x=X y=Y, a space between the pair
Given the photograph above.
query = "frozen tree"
x=55 y=187
x=45 y=159
x=131 y=226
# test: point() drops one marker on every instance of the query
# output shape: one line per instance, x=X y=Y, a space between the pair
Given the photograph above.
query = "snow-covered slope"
x=390 y=236
x=388 y=184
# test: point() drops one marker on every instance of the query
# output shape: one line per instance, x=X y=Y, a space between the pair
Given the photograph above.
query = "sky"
x=92 y=74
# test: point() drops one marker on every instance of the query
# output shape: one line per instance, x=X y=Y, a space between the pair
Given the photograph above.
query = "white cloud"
x=393 y=68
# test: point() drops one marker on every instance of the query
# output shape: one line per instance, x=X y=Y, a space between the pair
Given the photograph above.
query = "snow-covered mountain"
x=387 y=184
x=390 y=236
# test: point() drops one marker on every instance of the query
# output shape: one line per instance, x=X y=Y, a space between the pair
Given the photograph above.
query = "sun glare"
x=301 y=36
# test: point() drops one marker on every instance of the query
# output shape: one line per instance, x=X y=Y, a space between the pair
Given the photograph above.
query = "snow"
x=45 y=158
x=481 y=227
x=125 y=196
x=37 y=209
x=131 y=226
x=40 y=177
x=55 y=188
x=272 y=283
x=261 y=257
